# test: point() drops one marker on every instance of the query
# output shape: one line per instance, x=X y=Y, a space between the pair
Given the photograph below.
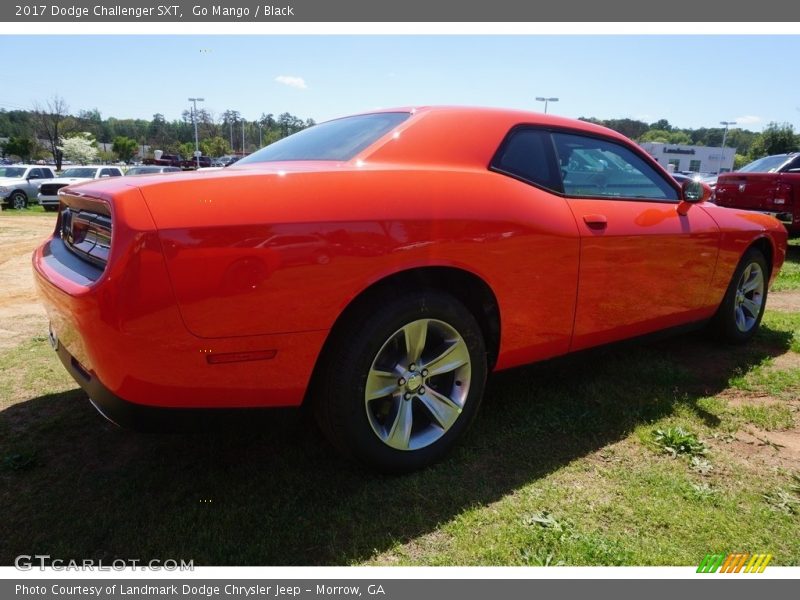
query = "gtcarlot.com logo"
x=735 y=562
x=27 y=562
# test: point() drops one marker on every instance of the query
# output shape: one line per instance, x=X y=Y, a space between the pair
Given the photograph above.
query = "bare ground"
x=21 y=314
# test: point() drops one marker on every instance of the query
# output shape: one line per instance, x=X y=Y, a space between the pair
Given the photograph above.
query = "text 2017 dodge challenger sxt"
x=379 y=266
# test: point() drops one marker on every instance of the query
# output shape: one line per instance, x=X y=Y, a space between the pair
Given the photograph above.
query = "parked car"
x=191 y=164
x=380 y=266
x=164 y=160
x=48 y=189
x=19 y=183
x=225 y=161
x=770 y=185
x=151 y=169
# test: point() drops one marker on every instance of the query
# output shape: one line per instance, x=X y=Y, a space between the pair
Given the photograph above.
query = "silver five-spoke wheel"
x=749 y=297
x=418 y=384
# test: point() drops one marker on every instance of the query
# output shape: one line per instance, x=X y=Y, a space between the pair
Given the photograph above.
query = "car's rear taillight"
x=86 y=234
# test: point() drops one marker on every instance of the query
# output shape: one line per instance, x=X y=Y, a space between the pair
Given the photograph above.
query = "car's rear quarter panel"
x=237 y=269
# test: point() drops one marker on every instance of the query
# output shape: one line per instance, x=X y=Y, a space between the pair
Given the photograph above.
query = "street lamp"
x=194 y=102
x=545 y=100
x=724 y=137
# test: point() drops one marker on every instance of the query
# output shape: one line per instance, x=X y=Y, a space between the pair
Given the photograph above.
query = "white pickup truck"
x=48 y=189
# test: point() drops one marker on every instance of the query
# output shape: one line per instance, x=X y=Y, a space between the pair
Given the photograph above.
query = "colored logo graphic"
x=734 y=563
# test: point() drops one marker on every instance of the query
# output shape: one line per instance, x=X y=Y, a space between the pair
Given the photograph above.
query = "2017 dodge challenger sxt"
x=379 y=266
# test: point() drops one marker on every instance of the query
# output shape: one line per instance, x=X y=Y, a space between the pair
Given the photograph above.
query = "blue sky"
x=693 y=81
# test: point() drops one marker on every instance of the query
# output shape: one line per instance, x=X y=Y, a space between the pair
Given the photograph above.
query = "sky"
x=692 y=81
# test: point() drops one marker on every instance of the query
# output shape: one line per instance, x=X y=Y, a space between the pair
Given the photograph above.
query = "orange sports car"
x=380 y=266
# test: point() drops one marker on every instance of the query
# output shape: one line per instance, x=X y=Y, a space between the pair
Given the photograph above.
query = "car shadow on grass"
x=263 y=488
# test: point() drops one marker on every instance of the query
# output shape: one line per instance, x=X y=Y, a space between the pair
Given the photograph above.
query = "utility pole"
x=194 y=102
x=724 y=137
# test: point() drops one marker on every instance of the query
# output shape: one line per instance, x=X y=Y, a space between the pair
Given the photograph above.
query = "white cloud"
x=291 y=81
x=748 y=120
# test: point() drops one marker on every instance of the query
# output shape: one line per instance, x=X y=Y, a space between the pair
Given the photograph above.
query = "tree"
x=215 y=146
x=18 y=146
x=125 y=148
x=775 y=139
x=79 y=148
x=52 y=121
x=187 y=149
x=656 y=135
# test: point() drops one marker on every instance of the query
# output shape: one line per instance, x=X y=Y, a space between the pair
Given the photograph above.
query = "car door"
x=643 y=266
x=34 y=178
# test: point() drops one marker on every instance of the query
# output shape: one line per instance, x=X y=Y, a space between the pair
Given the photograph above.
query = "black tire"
x=18 y=200
x=725 y=323
x=356 y=426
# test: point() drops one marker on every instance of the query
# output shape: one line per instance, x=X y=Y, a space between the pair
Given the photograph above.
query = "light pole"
x=260 y=144
x=243 y=122
x=545 y=100
x=724 y=137
x=194 y=102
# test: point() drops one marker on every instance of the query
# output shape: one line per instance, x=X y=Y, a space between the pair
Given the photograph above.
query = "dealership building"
x=698 y=159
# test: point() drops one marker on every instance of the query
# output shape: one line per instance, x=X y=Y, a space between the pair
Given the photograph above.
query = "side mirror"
x=693 y=192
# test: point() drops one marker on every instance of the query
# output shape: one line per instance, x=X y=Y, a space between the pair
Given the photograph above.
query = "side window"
x=116 y=172
x=593 y=167
x=35 y=174
x=104 y=173
x=528 y=154
x=48 y=174
x=794 y=165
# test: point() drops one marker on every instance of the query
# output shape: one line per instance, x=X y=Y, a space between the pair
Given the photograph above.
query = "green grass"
x=562 y=467
x=789 y=277
x=764 y=378
x=32 y=209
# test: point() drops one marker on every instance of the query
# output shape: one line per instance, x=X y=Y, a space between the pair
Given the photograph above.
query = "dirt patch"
x=21 y=314
x=768 y=448
x=786 y=301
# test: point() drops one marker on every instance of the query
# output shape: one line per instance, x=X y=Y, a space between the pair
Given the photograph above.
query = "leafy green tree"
x=18 y=146
x=656 y=135
x=775 y=139
x=125 y=148
x=187 y=150
x=215 y=146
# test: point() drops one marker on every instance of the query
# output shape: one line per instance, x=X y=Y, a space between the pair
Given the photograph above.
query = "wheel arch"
x=764 y=245
x=467 y=287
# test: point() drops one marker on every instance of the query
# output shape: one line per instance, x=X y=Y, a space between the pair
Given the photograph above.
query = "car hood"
x=66 y=180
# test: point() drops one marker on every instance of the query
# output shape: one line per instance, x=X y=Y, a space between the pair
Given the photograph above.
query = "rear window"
x=768 y=164
x=340 y=139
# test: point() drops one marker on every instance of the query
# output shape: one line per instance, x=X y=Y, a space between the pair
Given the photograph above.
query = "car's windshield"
x=79 y=172
x=340 y=139
x=11 y=172
x=768 y=164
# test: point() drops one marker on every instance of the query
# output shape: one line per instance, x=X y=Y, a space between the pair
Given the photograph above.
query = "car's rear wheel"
x=403 y=381
x=739 y=316
x=18 y=200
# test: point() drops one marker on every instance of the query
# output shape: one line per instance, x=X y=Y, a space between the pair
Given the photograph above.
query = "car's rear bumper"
x=122 y=339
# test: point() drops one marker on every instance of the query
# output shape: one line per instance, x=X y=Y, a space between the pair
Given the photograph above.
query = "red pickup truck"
x=165 y=160
x=768 y=185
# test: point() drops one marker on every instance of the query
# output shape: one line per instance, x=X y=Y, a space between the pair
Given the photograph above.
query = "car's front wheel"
x=18 y=200
x=739 y=316
x=403 y=381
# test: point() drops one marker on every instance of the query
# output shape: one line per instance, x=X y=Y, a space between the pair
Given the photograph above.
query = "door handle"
x=595 y=221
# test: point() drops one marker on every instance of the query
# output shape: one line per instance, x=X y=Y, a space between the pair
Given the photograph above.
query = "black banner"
x=514 y=11
x=392 y=589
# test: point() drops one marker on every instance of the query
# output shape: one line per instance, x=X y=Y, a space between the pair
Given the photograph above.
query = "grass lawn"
x=651 y=454
x=32 y=209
